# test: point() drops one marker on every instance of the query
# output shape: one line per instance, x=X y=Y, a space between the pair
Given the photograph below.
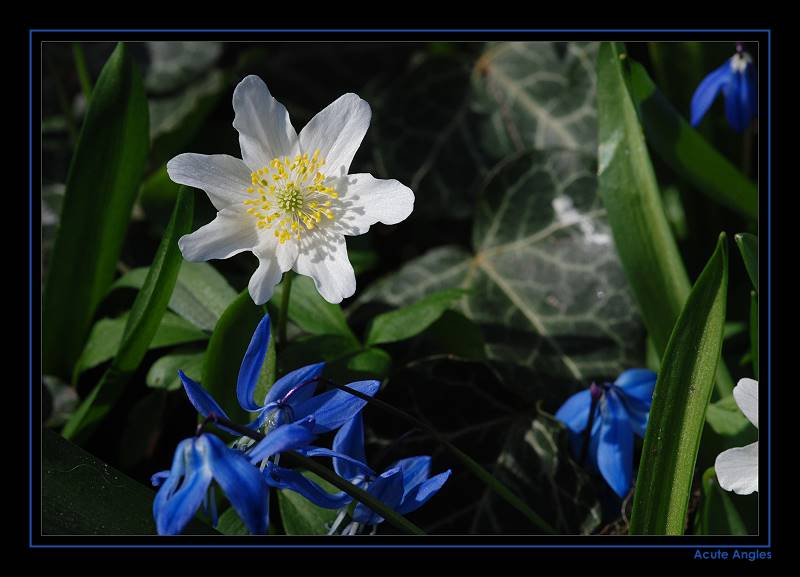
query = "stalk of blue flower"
x=736 y=79
x=609 y=415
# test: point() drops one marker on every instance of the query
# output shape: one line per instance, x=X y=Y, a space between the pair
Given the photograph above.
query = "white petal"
x=323 y=257
x=232 y=232
x=224 y=178
x=337 y=131
x=262 y=283
x=746 y=394
x=265 y=131
x=365 y=200
x=737 y=469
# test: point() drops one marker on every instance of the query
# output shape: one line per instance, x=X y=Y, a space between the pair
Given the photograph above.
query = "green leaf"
x=315 y=348
x=411 y=320
x=101 y=187
x=373 y=362
x=164 y=372
x=630 y=195
x=717 y=514
x=226 y=350
x=725 y=417
x=142 y=324
x=230 y=523
x=106 y=336
x=312 y=313
x=538 y=95
x=300 y=516
x=683 y=389
x=748 y=246
x=544 y=282
x=82 y=495
x=688 y=153
x=201 y=294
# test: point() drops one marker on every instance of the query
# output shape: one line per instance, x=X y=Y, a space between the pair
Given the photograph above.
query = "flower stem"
x=475 y=468
x=283 y=315
x=357 y=493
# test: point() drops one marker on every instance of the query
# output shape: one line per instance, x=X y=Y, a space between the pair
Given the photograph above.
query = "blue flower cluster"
x=290 y=418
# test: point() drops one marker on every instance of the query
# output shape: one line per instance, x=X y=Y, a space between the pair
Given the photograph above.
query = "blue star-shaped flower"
x=291 y=397
x=197 y=462
x=620 y=410
x=404 y=486
x=736 y=78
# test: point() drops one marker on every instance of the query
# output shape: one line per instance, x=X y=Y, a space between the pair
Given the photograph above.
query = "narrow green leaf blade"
x=201 y=294
x=630 y=194
x=101 y=188
x=683 y=389
x=226 y=350
x=411 y=320
x=688 y=153
x=81 y=495
x=143 y=322
x=748 y=246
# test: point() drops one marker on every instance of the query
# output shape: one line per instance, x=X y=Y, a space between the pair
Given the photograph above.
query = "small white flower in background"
x=737 y=469
x=290 y=200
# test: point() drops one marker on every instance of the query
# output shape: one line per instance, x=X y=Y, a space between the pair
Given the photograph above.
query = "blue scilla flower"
x=736 y=78
x=615 y=412
x=197 y=462
x=404 y=486
x=291 y=398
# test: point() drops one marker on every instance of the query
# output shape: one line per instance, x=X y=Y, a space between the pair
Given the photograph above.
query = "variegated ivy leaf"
x=488 y=105
x=545 y=284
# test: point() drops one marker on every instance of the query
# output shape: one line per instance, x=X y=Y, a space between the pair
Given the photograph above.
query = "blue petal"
x=241 y=482
x=574 y=413
x=282 y=478
x=334 y=408
x=415 y=471
x=419 y=495
x=173 y=509
x=251 y=366
x=637 y=384
x=349 y=440
x=157 y=479
x=638 y=413
x=615 y=449
x=359 y=467
x=289 y=381
x=202 y=401
x=708 y=89
x=740 y=100
x=388 y=488
x=283 y=438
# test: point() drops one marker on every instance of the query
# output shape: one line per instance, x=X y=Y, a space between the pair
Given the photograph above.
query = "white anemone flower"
x=737 y=468
x=290 y=199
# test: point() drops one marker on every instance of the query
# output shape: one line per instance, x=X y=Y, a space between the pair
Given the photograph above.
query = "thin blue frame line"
x=769 y=287
x=399 y=30
x=398 y=546
x=586 y=546
x=30 y=285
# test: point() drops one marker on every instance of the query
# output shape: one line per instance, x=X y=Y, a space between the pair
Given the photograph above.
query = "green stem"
x=301 y=461
x=83 y=71
x=283 y=314
x=476 y=469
